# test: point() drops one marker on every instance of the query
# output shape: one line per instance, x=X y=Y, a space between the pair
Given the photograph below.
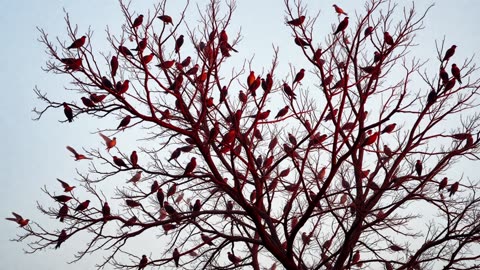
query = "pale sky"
x=34 y=152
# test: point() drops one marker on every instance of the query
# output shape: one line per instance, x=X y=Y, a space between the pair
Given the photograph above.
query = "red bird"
x=388 y=39
x=449 y=53
x=138 y=21
x=76 y=154
x=78 y=43
x=450 y=84
x=432 y=97
x=331 y=115
x=299 y=76
x=73 y=64
x=370 y=139
x=254 y=86
x=418 y=167
x=443 y=183
x=124 y=123
x=166 y=19
x=368 y=31
x=134 y=159
x=186 y=61
x=119 y=162
x=190 y=166
x=234 y=259
x=62 y=198
x=147 y=58
x=297 y=22
x=166 y=64
x=18 y=219
x=377 y=57
x=143 y=262
x=154 y=187
x=193 y=70
x=130 y=222
x=106 y=211
x=132 y=203
x=267 y=83
x=356 y=257
x=178 y=44
x=250 y=79
x=444 y=75
x=66 y=186
x=301 y=42
x=176 y=257
x=135 y=178
x=228 y=138
x=288 y=91
x=282 y=112
x=453 y=188
x=68 y=112
x=61 y=238
x=110 y=143
x=87 y=102
x=62 y=213
x=124 y=87
x=207 y=240
x=339 y=10
x=197 y=206
x=82 y=206
x=114 y=65
x=263 y=115
x=456 y=73
x=125 y=51
x=348 y=126
x=389 y=128
x=342 y=26
x=160 y=197
x=97 y=98
x=142 y=45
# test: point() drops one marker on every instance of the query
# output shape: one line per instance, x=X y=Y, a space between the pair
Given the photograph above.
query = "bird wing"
x=69 y=148
x=105 y=138
x=64 y=184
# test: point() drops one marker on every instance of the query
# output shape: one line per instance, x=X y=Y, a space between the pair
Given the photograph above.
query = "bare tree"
x=333 y=180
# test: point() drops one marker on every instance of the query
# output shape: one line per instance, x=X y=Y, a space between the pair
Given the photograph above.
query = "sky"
x=33 y=152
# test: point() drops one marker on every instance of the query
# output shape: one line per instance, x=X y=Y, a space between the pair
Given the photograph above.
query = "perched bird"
x=299 y=76
x=114 y=65
x=82 y=206
x=87 y=102
x=123 y=87
x=297 y=22
x=282 y=112
x=193 y=70
x=342 y=26
x=356 y=257
x=76 y=154
x=106 y=211
x=368 y=31
x=143 y=262
x=18 y=219
x=66 y=186
x=388 y=38
x=449 y=53
x=134 y=159
x=301 y=42
x=330 y=115
x=196 y=206
x=130 y=222
x=172 y=190
x=62 y=213
x=147 y=58
x=135 y=178
x=97 y=98
x=370 y=139
x=166 y=64
x=389 y=128
x=387 y=151
x=125 y=51
x=124 y=123
x=186 y=62
x=154 y=187
x=61 y=238
x=339 y=10
x=450 y=84
x=251 y=78
x=78 y=43
x=166 y=19
x=68 y=112
x=348 y=126
x=453 y=188
x=119 y=162
x=443 y=183
x=234 y=259
x=132 y=203
x=443 y=75
x=288 y=91
x=178 y=44
x=160 y=197
x=432 y=97
x=73 y=64
x=377 y=57
x=207 y=240
x=263 y=115
x=418 y=167
x=138 y=21
x=456 y=73
x=190 y=166
x=110 y=143
x=176 y=256
x=62 y=198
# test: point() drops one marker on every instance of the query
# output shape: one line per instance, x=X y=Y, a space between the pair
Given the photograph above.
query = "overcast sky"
x=33 y=152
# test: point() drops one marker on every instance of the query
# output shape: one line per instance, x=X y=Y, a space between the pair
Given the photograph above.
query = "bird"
x=132 y=203
x=356 y=257
x=125 y=51
x=301 y=42
x=119 y=162
x=432 y=97
x=176 y=256
x=62 y=213
x=342 y=26
x=186 y=62
x=193 y=70
x=138 y=21
x=110 y=143
x=339 y=10
x=166 y=64
x=450 y=84
x=444 y=75
x=82 y=206
x=130 y=222
x=19 y=219
x=143 y=262
x=263 y=115
x=68 y=112
x=124 y=123
x=160 y=197
x=370 y=139
x=282 y=112
x=172 y=190
x=453 y=188
x=207 y=240
x=449 y=53
x=62 y=198
x=190 y=166
x=389 y=128
x=255 y=85
x=123 y=87
x=387 y=150
x=251 y=78
x=147 y=58
x=78 y=43
x=299 y=76
x=76 y=154
x=456 y=73
x=178 y=44
x=443 y=183
x=114 y=65
x=418 y=167
x=297 y=22
x=73 y=64
x=134 y=159
x=368 y=31
x=142 y=45
x=135 y=178
x=330 y=115
x=388 y=38
x=61 y=238
x=234 y=259
x=105 y=211
x=288 y=91
x=166 y=19
x=87 y=102
x=155 y=186
x=97 y=98
x=348 y=126
x=377 y=57
x=66 y=186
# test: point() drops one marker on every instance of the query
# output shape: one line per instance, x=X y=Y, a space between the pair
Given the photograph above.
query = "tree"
x=332 y=180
